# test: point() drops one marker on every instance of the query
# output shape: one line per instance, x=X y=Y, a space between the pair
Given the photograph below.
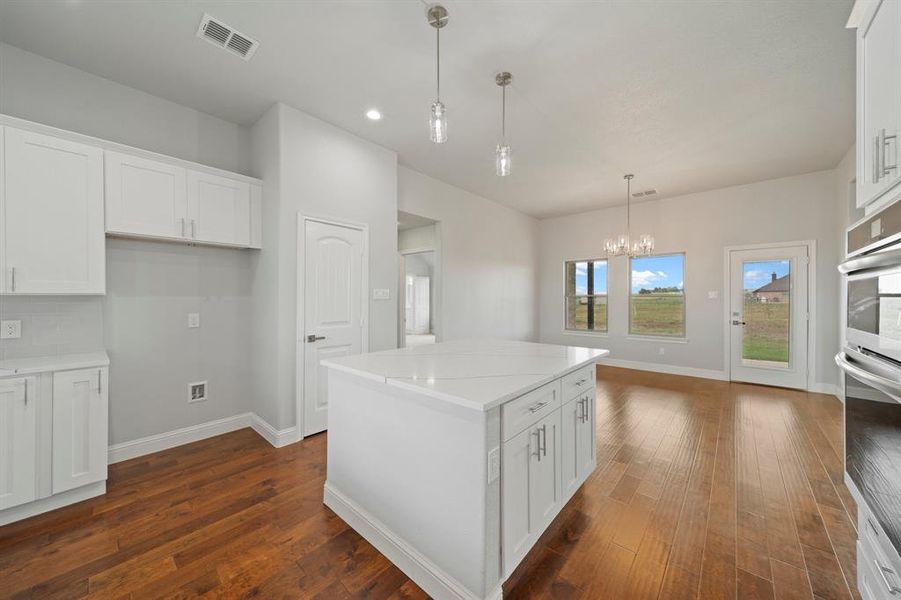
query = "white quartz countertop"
x=478 y=374
x=60 y=362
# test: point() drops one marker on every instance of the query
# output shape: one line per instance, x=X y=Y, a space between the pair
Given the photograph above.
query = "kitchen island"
x=453 y=458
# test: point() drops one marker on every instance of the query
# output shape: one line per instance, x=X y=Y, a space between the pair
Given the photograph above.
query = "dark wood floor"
x=703 y=490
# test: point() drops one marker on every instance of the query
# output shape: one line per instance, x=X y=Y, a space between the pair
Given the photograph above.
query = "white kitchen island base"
x=452 y=459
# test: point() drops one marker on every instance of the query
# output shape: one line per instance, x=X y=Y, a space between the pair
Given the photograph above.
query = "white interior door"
x=768 y=316
x=333 y=309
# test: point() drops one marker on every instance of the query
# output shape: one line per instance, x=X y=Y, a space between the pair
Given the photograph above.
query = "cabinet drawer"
x=529 y=408
x=578 y=382
x=875 y=579
x=870 y=532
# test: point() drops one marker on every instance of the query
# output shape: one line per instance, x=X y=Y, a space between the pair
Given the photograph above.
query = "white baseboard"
x=17 y=513
x=201 y=431
x=417 y=567
x=827 y=388
x=664 y=368
x=276 y=437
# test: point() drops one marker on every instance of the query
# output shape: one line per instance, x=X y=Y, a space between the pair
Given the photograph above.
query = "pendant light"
x=621 y=245
x=503 y=158
x=437 y=16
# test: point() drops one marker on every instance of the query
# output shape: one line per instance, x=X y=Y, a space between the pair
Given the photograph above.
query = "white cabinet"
x=577 y=437
x=145 y=197
x=79 y=428
x=18 y=441
x=878 y=102
x=51 y=234
x=531 y=486
x=218 y=209
x=157 y=199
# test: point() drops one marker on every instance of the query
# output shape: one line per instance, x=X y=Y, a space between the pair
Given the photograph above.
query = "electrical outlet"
x=193 y=320
x=10 y=330
x=197 y=391
x=713 y=294
x=381 y=294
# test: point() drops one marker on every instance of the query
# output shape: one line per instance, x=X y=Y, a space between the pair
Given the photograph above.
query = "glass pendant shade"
x=438 y=123
x=503 y=159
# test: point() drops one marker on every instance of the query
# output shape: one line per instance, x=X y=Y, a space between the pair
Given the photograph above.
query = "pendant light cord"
x=629 y=209
x=438 y=62
x=504 y=114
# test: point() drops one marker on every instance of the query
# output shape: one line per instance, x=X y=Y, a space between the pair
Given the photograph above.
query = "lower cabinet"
x=577 y=453
x=53 y=437
x=80 y=429
x=542 y=467
x=18 y=450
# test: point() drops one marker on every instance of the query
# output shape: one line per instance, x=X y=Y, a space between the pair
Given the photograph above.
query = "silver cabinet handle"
x=536 y=407
x=583 y=412
x=891 y=587
x=182 y=226
x=26 y=391
x=99 y=381
x=14 y=279
x=314 y=338
x=537 y=434
x=876 y=154
x=883 y=144
x=543 y=446
x=193 y=229
x=872 y=527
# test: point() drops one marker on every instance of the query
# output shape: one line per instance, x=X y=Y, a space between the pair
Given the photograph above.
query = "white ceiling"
x=688 y=94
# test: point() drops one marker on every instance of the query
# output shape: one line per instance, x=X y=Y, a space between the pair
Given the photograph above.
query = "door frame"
x=811 y=304
x=300 y=316
x=402 y=292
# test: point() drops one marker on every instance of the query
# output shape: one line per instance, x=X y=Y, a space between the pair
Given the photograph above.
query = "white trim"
x=436 y=285
x=827 y=388
x=201 y=431
x=300 y=317
x=664 y=368
x=276 y=437
x=811 y=303
x=417 y=567
x=658 y=338
x=17 y=513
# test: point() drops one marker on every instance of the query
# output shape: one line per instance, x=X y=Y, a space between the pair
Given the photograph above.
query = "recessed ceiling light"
x=373 y=114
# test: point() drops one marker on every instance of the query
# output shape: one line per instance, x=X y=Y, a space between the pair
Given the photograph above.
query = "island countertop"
x=477 y=374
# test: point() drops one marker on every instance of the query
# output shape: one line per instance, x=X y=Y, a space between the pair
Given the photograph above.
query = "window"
x=586 y=295
x=657 y=298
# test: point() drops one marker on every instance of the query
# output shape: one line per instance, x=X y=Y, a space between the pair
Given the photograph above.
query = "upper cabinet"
x=158 y=199
x=144 y=197
x=51 y=202
x=878 y=100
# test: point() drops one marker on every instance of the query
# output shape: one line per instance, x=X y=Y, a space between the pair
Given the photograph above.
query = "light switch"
x=10 y=330
x=494 y=464
x=381 y=294
x=713 y=294
x=193 y=320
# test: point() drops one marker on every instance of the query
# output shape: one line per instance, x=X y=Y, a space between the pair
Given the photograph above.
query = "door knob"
x=314 y=338
x=737 y=322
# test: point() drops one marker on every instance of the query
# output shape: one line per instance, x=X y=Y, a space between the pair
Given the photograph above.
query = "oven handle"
x=890 y=258
x=884 y=384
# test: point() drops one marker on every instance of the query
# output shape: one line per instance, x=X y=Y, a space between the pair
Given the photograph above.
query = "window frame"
x=661 y=336
x=567 y=296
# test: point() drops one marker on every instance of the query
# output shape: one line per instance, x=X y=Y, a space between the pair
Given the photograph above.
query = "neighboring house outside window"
x=776 y=291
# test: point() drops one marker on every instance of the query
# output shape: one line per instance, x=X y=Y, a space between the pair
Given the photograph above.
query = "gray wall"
x=142 y=321
x=701 y=225
x=320 y=171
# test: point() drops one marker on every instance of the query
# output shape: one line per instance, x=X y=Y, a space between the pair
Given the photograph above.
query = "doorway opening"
x=418 y=281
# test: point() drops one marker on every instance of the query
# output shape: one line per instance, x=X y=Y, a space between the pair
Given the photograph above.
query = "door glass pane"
x=767 y=312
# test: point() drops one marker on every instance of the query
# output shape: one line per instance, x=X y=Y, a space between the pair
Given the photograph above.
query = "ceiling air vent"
x=644 y=193
x=218 y=33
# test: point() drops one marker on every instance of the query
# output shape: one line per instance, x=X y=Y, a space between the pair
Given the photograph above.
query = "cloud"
x=581 y=269
x=640 y=278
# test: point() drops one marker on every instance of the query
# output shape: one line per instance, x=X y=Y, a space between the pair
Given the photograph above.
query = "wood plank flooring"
x=703 y=489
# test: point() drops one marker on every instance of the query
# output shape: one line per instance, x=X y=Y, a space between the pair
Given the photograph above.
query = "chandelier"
x=622 y=245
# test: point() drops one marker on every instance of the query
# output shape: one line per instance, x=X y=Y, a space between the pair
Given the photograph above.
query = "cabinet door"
x=879 y=101
x=586 y=451
x=517 y=453
x=52 y=238
x=144 y=197
x=79 y=428
x=18 y=433
x=218 y=209
x=571 y=430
